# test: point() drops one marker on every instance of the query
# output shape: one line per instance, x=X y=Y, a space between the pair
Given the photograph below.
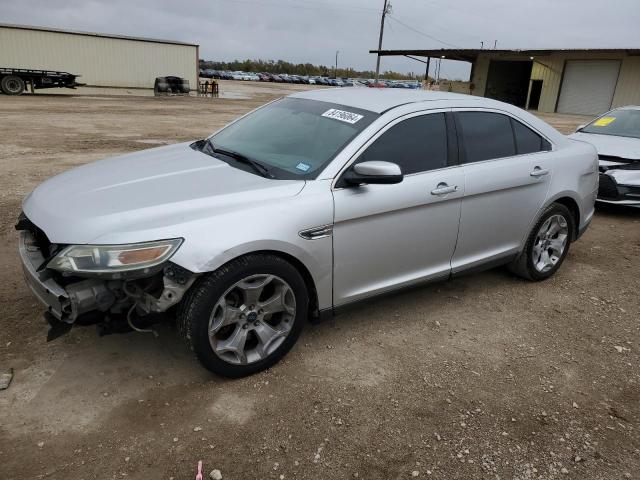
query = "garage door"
x=588 y=86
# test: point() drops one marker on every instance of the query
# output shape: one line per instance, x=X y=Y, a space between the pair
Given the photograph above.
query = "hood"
x=611 y=145
x=149 y=189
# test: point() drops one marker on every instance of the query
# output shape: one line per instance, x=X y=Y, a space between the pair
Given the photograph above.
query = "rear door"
x=508 y=170
x=387 y=236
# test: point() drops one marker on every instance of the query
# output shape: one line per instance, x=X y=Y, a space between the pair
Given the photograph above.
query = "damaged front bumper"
x=619 y=183
x=69 y=299
x=42 y=283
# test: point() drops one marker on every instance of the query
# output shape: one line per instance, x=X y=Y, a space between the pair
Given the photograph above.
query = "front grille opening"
x=608 y=188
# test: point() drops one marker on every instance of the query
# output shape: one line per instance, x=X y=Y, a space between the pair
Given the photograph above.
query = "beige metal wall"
x=105 y=62
x=549 y=69
x=628 y=88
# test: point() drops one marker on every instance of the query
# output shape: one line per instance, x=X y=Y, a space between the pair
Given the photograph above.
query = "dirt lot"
x=487 y=376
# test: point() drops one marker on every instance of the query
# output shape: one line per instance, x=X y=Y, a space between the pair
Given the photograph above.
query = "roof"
x=377 y=100
x=94 y=34
x=470 y=54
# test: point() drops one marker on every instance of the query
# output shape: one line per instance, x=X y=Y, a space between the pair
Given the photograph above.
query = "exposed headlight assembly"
x=114 y=259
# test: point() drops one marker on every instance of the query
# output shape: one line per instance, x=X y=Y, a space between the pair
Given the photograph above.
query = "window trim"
x=452 y=140
x=463 y=148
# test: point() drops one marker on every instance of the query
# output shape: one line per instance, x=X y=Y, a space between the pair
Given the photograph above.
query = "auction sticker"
x=604 y=121
x=342 y=115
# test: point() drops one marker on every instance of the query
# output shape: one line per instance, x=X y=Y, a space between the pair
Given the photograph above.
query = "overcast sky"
x=312 y=30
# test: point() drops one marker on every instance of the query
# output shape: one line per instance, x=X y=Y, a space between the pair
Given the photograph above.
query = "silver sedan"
x=302 y=207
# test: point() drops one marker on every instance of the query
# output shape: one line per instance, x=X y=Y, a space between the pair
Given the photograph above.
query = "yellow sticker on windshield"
x=604 y=121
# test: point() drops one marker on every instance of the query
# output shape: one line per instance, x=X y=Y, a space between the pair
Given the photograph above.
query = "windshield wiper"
x=258 y=167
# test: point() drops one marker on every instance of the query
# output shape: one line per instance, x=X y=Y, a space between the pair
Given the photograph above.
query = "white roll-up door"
x=588 y=86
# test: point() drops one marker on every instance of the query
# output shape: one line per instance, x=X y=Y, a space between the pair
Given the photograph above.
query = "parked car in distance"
x=246 y=234
x=616 y=136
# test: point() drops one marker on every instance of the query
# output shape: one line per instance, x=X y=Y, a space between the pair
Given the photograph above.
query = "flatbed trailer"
x=14 y=81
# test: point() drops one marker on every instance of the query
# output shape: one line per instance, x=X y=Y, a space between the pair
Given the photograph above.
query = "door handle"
x=443 y=189
x=539 y=172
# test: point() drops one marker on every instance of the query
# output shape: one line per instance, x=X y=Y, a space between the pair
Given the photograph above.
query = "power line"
x=422 y=33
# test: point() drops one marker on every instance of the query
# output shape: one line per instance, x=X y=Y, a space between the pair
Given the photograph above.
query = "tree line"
x=281 y=66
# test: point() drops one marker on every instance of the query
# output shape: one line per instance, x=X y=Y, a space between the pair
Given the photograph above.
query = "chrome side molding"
x=315 y=233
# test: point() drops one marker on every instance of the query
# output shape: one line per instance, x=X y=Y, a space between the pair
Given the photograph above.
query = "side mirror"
x=373 y=172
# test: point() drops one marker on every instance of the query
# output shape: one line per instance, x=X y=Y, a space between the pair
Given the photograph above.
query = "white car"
x=616 y=136
x=302 y=207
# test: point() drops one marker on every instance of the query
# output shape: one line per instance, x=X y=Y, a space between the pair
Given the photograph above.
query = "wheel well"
x=571 y=204
x=306 y=276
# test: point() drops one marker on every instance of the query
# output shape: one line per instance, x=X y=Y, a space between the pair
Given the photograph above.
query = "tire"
x=219 y=300
x=529 y=262
x=12 y=85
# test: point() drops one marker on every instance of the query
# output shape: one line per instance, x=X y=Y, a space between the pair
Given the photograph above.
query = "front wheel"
x=547 y=245
x=245 y=316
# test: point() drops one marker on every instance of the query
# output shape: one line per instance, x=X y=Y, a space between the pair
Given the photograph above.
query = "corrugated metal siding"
x=549 y=70
x=106 y=62
x=628 y=88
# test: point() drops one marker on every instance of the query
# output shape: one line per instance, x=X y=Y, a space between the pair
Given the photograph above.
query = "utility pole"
x=335 y=72
x=385 y=11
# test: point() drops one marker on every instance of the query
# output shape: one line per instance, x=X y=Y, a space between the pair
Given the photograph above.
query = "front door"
x=388 y=236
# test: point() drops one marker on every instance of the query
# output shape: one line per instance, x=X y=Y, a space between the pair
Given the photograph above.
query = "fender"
x=319 y=268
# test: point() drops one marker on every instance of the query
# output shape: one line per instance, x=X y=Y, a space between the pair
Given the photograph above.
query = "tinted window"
x=486 y=135
x=528 y=141
x=417 y=144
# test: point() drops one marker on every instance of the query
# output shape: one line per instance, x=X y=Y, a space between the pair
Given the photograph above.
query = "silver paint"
x=384 y=236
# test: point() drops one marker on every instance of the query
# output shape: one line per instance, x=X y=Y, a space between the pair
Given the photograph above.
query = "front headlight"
x=97 y=259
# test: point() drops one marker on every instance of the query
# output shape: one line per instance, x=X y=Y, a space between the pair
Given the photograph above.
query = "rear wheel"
x=246 y=316
x=12 y=85
x=547 y=245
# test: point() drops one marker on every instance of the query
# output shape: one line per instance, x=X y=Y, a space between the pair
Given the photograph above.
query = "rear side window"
x=528 y=141
x=417 y=144
x=486 y=136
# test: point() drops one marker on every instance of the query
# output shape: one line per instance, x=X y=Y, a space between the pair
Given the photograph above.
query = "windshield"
x=294 y=137
x=622 y=123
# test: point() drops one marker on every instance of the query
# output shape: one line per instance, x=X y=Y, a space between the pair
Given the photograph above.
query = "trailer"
x=14 y=81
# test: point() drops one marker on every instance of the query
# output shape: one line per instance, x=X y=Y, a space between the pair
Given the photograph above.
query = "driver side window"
x=418 y=144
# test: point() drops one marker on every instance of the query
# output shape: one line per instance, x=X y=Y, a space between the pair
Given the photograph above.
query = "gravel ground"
x=486 y=376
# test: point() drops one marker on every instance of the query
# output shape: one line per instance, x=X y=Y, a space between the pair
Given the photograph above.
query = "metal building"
x=581 y=81
x=102 y=60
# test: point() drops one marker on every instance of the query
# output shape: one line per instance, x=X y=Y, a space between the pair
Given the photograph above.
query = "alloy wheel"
x=252 y=319
x=550 y=243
